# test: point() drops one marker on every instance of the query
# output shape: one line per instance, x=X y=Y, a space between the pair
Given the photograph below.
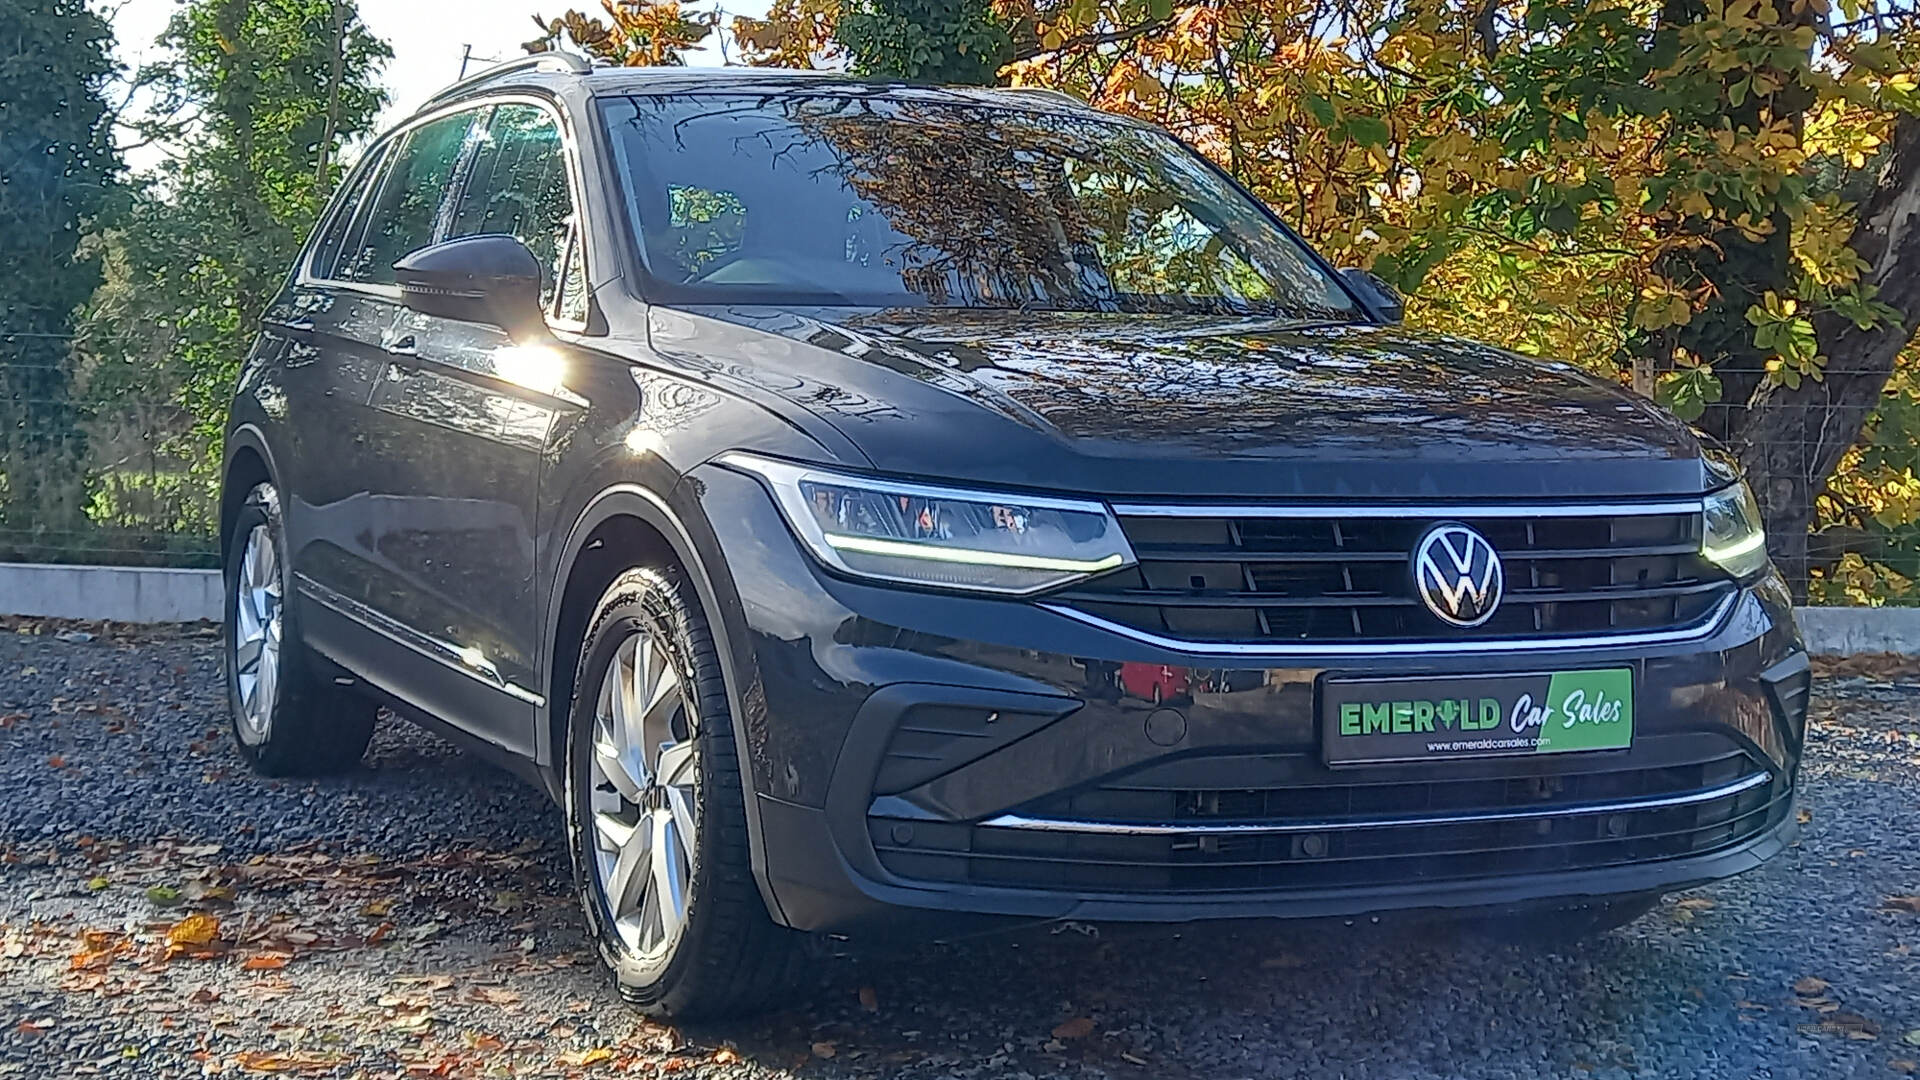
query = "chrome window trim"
x=1112 y=828
x=1396 y=510
x=1308 y=650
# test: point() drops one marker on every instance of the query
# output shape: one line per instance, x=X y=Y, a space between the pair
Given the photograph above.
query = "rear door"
x=464 y=414
x=348 y=557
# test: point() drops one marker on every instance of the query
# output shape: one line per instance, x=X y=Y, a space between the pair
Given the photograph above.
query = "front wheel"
x=656 y=816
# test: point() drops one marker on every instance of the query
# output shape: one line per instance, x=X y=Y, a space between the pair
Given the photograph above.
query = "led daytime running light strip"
x=969 y=556
x=1723 y=555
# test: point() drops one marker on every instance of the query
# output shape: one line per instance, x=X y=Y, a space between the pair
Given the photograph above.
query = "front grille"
x=1348 y=579
x=1333 y=830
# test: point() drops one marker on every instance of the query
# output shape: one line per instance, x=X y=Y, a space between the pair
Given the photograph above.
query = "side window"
x=409 y=210
x=346 y=214
x=518 y=186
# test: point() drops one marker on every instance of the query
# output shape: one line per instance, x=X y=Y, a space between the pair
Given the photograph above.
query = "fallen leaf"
x=97 y=884
x=725 y=1056
x=1808 y=986
x=56 y=762
x=1852 y=1025
x=377 y=909
x=587 y=1057
x=1904 y=1066
x=206 y=995
x=1077 y=1028
x=33 y=1029
x=163 y=896
x=1902 y=903
x=264 y=962
x=825 y=1050
x=192 y=932
x=292 y=1061
x=495 y=995
x=869 y=1000
x=1911 y=1038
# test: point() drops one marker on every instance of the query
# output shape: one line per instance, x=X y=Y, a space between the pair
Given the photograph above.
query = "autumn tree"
x=57 y=170
x=640 y=34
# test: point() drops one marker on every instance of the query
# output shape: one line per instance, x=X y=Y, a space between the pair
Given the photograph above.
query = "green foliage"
x=935 y=41
x=57 y=171
x=209 y=241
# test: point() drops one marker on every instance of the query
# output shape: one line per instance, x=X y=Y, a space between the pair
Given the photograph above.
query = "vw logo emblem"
x=1458 y=574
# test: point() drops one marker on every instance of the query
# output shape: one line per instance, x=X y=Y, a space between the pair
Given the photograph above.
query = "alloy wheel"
x=256 y=634
x=644 y=771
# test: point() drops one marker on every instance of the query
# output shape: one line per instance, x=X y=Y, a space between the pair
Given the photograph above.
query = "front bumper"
x=915 y=756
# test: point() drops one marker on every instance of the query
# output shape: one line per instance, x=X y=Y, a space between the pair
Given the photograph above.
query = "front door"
x=462 y=416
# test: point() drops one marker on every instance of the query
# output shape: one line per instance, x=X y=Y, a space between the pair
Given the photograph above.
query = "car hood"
x=1194 y=406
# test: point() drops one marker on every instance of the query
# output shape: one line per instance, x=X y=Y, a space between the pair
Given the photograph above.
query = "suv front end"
x=1153 y=729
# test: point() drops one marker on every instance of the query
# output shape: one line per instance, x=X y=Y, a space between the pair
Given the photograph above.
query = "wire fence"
x=102 y=462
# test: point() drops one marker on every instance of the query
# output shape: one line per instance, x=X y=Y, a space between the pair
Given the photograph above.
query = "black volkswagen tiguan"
x=878 y=507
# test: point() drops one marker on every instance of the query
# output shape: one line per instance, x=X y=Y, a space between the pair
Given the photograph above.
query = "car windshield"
x=922 y=201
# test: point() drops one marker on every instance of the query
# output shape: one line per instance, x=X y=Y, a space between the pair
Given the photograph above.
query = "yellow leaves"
x=1822 y=243
x=193 y=936
x=1662 y=304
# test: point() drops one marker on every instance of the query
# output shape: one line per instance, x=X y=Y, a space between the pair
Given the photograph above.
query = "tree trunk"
x=1790 y=440
x=322 y=181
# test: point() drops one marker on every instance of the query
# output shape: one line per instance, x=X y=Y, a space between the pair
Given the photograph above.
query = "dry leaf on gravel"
x=825 y=1050
x=1904 y=1066
x=264 y=962
x=1077 y=1028
x=192 y=931
x=581 y=1058
x=869 y=1000
x=1809 y=986
x=495 y=995
x=1902 y=903
x=288 y=1062
x=1852 y=1025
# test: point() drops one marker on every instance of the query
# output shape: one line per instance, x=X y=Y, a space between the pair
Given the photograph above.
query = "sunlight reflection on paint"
x=540 y=368
x=644 y=441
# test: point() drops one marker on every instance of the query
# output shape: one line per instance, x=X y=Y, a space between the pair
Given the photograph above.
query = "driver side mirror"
x=1383 y=299
x=490 y=278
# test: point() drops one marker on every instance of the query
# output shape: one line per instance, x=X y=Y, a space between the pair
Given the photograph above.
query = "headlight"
x=1733 y=539
x=950 y=538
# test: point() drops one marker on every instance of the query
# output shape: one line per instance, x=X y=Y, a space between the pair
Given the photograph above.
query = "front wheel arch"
x=620 y=528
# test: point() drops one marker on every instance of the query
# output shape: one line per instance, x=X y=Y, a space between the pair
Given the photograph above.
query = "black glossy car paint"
x=440 y=507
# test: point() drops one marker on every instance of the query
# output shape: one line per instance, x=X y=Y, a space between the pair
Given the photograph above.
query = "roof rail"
x=1050 y=93
x=551 y=60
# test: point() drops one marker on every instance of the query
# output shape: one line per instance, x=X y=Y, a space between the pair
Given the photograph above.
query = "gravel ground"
x=166 y=913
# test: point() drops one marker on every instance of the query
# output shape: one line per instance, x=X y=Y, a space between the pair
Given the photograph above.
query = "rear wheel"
x=287 y=720
x=655 y=812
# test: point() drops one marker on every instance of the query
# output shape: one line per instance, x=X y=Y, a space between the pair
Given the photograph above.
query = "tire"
x=1559 y=927
x=287 y=719
x=715 y=953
